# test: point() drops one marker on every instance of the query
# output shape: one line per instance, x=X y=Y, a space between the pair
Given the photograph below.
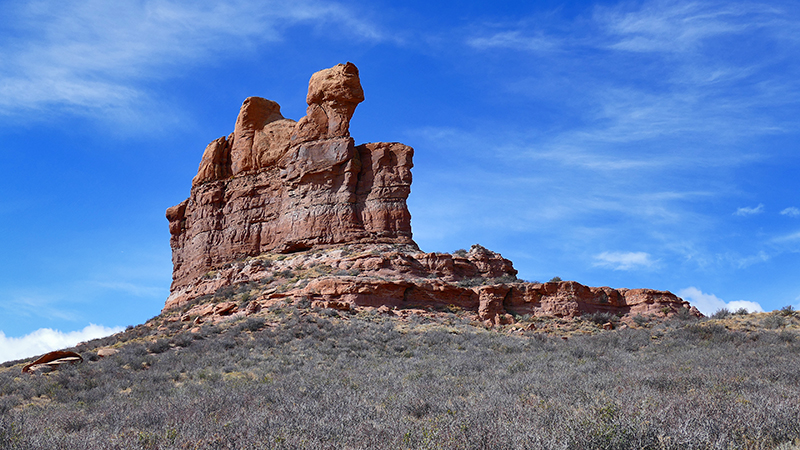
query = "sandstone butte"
x=295 y=210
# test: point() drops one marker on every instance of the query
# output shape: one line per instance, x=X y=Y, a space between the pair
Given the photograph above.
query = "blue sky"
x=629 y=144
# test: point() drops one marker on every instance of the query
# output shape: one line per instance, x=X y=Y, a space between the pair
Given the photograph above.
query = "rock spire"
x=276 y=185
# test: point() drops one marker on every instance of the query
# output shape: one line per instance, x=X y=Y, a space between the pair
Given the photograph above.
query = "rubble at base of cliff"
x=400 y=281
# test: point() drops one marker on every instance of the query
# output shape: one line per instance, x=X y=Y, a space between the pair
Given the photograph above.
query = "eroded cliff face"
x=295 y=211
x=276 y=185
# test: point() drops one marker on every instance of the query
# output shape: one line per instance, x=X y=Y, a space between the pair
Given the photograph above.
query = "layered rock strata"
x=399 y=277
x=279 y=185
x=295 y=210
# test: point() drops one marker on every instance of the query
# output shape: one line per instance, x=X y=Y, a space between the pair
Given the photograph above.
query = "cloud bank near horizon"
x=708 y=304
x=46 y=340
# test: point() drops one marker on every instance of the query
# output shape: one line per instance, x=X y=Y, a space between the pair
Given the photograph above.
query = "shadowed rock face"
x=283 y=186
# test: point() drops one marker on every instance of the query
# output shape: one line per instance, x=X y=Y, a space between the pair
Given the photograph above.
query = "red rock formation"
x=399 y=276
x=53 y=360
x=279 y=185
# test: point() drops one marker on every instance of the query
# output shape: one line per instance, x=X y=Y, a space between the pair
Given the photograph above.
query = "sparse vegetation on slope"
x=330 y=379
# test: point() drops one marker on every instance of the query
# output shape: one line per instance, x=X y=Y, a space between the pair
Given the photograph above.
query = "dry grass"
x=295 y=379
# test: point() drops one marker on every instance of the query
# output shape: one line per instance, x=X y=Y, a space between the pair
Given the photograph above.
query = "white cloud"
x=748 y=211
x=708 y=304
x=791 y=212
x=46 y=340
x=624 y=260
x=91 y=57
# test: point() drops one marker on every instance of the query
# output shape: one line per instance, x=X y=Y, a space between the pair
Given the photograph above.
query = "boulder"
x=106 y=351
x=53 y=360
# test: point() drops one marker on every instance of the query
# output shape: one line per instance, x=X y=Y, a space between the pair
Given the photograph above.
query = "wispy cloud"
x=94 y=57
x=749 y=211
x=136 y=289
x=708 y=304
x=624 y=260
x=787 y=238
x=672 y=26
x=674 y=65
x=791 y=212
x=742 y=262
x=46 y=340
x=515 y=39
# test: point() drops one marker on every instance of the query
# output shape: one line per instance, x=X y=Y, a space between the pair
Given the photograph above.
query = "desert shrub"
x=773 y=321
x=252 y=324
x=417 y=407
x=11 y=432
x=713 y=333
x=184 y=339
x=210 y=329
x=158 y=346
x=555 y=280
x=600 y=317
x=460 y=252
x=227 y=343
x=288 y=273
x=225 y=292
x=721 y=313
x=505 y=279
x=262 y=263
x=683 y=314
x=471 y=282
x=741 y=312
x=641 y=320
x=787 y=310
x=302 y=302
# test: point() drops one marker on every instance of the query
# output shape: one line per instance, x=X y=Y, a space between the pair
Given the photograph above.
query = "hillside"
x=296 y=377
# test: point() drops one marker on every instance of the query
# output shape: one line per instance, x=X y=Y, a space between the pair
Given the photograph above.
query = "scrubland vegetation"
x=335 y=380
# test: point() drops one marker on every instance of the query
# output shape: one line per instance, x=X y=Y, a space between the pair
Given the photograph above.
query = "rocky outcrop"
x=400 y=277
x=295 y=210
x=53 y=360
x=284 y=186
